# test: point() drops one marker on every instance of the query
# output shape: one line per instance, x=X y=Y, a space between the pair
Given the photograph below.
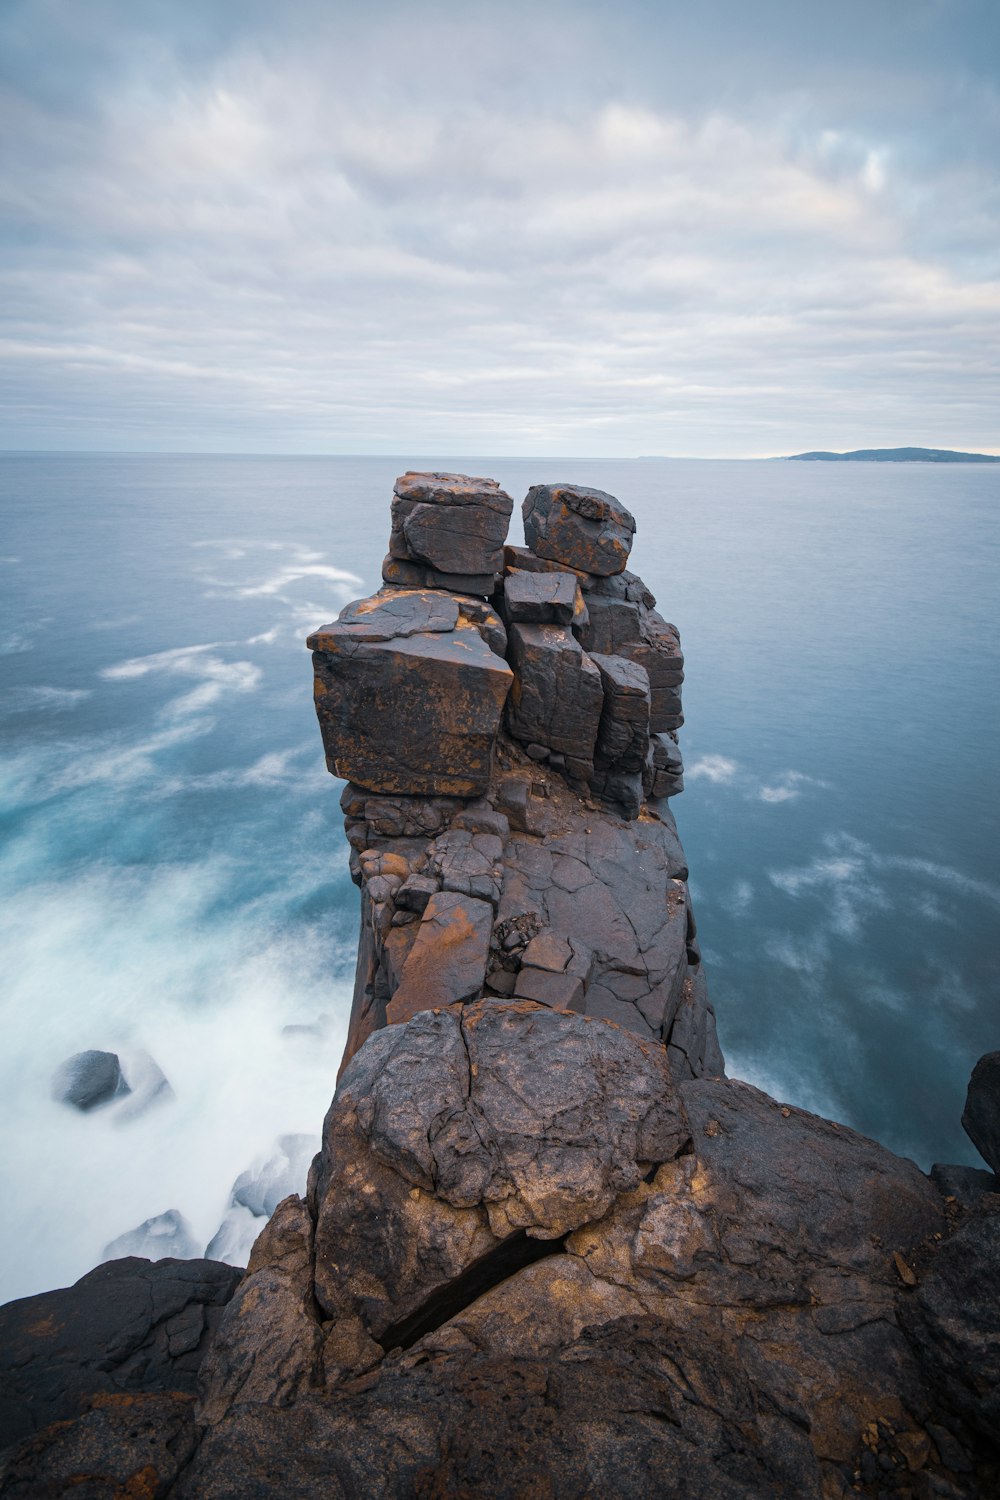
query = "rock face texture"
x=981 y=1116
x=547 y=1251
x=130 y=1327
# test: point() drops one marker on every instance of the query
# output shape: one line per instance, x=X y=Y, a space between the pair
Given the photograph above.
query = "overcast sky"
x=716 y=228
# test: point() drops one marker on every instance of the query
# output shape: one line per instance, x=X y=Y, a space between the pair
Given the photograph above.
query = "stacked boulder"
x=506 y=720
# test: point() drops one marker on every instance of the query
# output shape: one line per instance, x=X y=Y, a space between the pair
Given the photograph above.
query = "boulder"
x=87 y=1079
x=128 y=1327
x=167 y=1234
x=409 y=695
x=464 y=1128
x=453 y=523
x=584 y=528
x=556 y=697
x=967 y=1185
x=542 y=599
x=981 y=1116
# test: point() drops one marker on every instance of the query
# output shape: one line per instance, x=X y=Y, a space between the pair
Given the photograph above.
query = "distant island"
x=901 y=456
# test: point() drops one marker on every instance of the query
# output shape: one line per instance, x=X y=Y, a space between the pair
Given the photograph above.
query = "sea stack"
x=509 y=739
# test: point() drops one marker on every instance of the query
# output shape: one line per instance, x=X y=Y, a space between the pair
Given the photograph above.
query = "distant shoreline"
x=898 y=456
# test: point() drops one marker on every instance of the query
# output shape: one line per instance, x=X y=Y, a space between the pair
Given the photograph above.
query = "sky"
x=713 y=230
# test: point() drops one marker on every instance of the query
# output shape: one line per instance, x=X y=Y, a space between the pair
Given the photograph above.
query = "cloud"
x=533 y=229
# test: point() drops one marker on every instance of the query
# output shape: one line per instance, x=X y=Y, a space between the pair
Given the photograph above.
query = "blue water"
x=173 y=874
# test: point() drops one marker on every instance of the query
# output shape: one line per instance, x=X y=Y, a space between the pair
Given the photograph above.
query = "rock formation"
x=547 y=1249
x=509 y=761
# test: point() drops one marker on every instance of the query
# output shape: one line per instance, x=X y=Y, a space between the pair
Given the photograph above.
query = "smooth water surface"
x=173 y=875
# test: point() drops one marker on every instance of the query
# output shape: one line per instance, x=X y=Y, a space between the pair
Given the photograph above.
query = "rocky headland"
x=547 y=1249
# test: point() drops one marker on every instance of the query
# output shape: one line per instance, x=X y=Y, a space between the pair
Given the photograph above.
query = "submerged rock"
x=256 y=1194
x=167 y=1234
x=87 y=1079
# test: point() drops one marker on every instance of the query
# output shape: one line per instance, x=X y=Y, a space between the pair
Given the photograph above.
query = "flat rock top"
x=452 y=489
x=390 y=614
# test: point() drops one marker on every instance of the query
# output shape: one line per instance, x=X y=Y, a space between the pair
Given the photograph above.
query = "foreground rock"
x=529 y=1262
x=131 y=1326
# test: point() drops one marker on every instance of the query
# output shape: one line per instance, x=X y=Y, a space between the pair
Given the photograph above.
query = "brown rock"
x=268 y=1345
x=556 y=697
x=449 y=955
x=453 y=523
x=542 y=599
x=413 y=575
x=457 y=1132
x=561 y=991
x=408 y=695
x=584 y=528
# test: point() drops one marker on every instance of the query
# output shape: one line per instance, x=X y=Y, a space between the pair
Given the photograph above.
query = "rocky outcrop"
x=981 y=1116
x=509 y=763
x=130 y=1327
x=547 y=1249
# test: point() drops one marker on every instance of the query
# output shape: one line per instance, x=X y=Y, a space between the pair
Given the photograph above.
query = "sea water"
x=173 y=874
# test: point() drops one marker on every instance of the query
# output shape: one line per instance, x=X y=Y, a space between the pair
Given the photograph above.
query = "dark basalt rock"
x=981 y=1116
x=583 y=528
x=409 y=695
x=452 y=523
x=412 y=575
x=88 y=1079
x=129 y=1326
x=126 y=1447
x=556 y=697
x=953 y=1320
x=965 y=1184
x=542 y=599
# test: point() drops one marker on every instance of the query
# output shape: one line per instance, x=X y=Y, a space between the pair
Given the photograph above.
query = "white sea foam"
x=122 y=960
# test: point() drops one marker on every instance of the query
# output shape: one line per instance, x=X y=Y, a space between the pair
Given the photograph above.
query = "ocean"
x=173 y=869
